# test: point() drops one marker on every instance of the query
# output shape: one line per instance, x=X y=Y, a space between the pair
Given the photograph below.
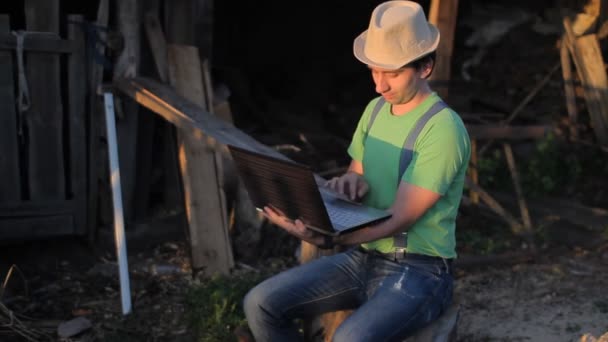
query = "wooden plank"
x=129 y=20
x=590 y=66
x=569 y=88
x=158 y=44
x=37 y=42
x=127 y=65
x=10 y=179
x=512 y=132
x=184 y=114
x=205 y=211
x=44 y=118
x=531 y=95
x=521 y=201
x=36 y=227
x=443 y=14
x=95 y=112
x=36 y=208
x=203 y=26
x=77 y=118
x=179 y=21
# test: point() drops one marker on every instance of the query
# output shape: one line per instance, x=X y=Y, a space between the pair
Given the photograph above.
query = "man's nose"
x=381 y=85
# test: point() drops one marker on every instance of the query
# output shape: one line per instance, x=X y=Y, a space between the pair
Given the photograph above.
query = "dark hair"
x=420 y=62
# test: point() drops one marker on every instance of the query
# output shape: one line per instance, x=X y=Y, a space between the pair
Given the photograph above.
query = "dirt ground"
x=558 y=297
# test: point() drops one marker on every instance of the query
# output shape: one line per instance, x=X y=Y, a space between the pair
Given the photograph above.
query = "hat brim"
x=359 y=51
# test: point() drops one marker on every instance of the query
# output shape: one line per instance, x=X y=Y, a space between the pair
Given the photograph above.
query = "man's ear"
x=427 y=68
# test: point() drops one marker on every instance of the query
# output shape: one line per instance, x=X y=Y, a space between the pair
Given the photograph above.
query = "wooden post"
x=443 y=14
x=523 y=207
x=77 y=94
x=569 y=88
x=127 y=65
x=46 y=171
x=203 y=26
x=205 y=209
x=95 y=111
x=590 y=66
x=179 y=21
x=10 y=179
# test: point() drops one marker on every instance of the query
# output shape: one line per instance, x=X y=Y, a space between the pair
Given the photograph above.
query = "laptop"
x=292 y=188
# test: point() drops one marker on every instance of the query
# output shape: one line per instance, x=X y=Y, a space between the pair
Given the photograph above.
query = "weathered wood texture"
x=77 y=121
x=508 y=132
x=569 y=88
x=183 y=113
x=205 y=209
x=44 y=118
x=158 y=44
x=203 y=26
x=10 y=180
x=444 y=14
x=37 y=42
x=129 y=20
x=94 y=126
x=587 y=56
x=179 y=21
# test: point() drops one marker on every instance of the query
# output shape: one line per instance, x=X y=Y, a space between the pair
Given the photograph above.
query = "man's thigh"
x=322 y=285
x=403 y=303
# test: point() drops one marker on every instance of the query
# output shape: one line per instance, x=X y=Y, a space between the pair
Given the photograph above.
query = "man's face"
x=398 y=86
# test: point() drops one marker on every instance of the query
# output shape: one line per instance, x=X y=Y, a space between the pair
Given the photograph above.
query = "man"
x=394 y=293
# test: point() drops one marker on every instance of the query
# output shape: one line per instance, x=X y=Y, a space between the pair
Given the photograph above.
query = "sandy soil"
x=552 y=300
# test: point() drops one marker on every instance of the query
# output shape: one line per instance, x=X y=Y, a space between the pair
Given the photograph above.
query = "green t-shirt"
x=439 y=163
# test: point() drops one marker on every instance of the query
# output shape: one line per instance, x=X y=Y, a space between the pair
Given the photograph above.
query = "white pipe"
x=119 y=223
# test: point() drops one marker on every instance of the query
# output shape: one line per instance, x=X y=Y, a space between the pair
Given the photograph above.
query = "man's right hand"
x=350 y=184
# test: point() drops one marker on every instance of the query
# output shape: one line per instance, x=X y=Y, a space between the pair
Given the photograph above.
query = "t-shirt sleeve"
x=356 y=148
x=441 y=151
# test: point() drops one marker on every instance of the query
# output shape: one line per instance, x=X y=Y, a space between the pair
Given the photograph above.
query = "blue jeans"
x=392 y=299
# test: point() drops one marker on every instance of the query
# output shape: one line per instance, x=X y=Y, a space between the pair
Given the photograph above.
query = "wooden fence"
x=43 y=140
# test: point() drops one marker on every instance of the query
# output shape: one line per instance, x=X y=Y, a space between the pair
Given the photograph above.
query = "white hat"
x=398 y=33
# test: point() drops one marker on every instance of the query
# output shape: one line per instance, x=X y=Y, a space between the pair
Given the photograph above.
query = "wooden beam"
x=44 y=118
x=36 y=208
x=94 y=126
x=10 y=178
x=185 y=114
x=179 y=21
x=158 y=44
x=36 y=227
x=77 y=123
x=443 y=14
x=521 y=201
x=205 y=210
x=569 y=88
x=38 y=42
x=129 y=20
x=590 y=67
x=511 y=132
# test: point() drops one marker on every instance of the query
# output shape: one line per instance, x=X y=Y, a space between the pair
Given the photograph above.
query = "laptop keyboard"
x=345 y=217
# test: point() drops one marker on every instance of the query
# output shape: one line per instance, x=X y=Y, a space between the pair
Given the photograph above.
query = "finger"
x=352 y=189
x=340 y=185
x=277 y=210
x=363 y=188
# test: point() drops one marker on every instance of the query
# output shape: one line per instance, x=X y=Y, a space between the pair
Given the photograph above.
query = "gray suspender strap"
x=407 y=152
x=375 y=112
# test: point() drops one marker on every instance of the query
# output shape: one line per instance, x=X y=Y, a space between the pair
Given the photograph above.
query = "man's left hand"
x=296 y=227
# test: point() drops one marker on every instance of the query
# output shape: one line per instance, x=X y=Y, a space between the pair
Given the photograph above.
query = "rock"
x=73 y=327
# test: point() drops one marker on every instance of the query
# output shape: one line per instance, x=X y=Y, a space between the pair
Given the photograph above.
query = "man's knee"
x=253 y=301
